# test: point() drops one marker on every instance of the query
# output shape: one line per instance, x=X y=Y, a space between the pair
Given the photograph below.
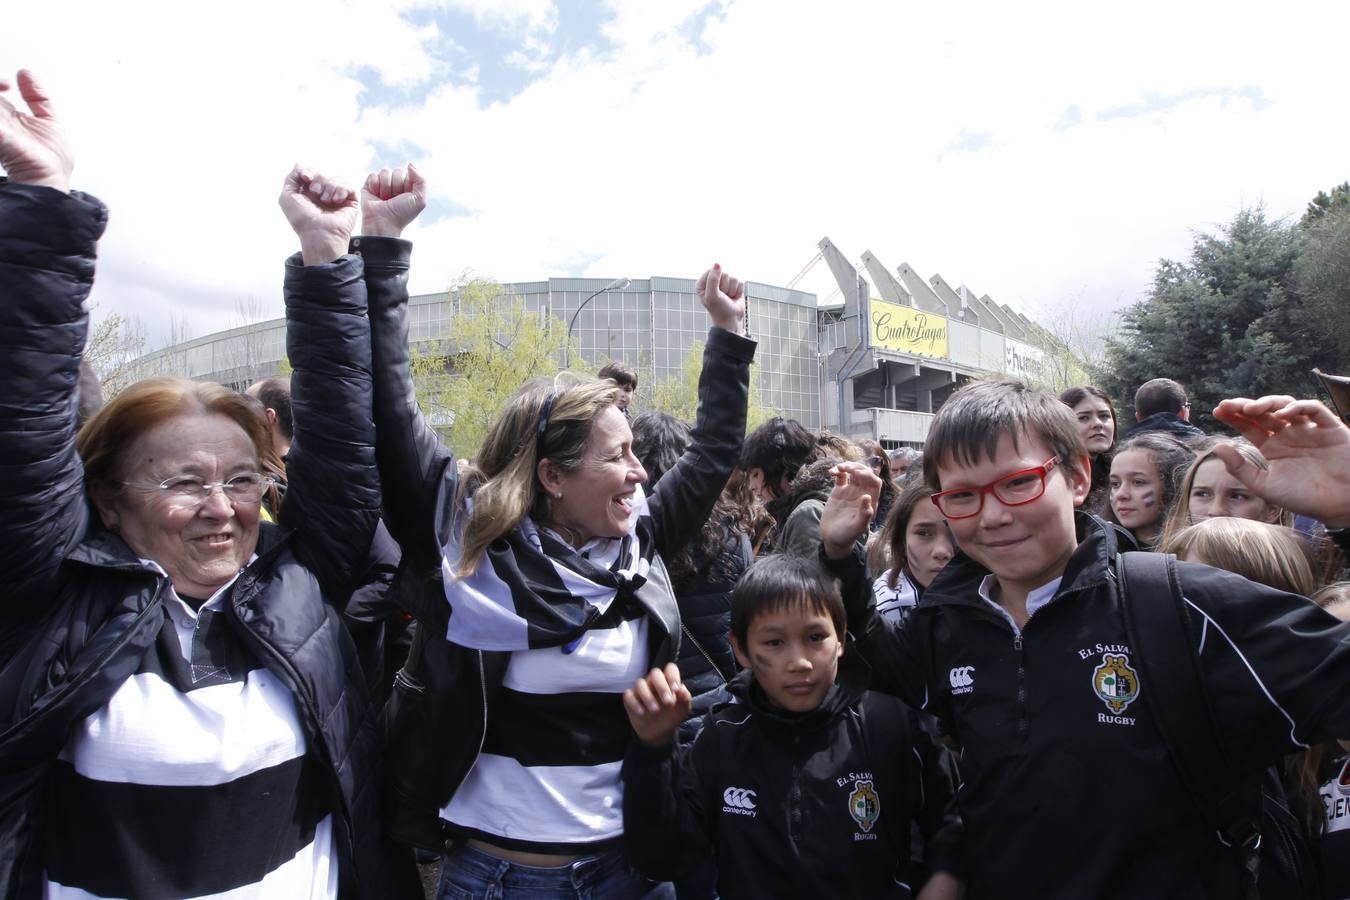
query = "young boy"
x=1020 y=648
x=806 y=785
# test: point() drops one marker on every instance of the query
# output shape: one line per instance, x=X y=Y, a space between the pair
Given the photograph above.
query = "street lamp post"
x=617 y=284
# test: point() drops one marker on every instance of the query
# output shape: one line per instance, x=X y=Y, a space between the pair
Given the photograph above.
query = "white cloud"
x=664 y=151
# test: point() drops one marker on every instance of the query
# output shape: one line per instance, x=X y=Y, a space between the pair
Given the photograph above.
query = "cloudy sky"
x=1046 y=154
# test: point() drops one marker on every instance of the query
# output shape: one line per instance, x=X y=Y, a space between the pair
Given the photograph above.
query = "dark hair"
x=659 y=440
x=1171 y=456
x=1076 y=395
x=780 y=582
x=780 y=447
x=971 y=423
x=1159 y=395
x=897 y=524
x=836 y=446
x=620 y=373
x=275 y=394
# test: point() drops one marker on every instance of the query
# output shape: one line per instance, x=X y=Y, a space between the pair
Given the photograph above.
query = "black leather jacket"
x=79 y=610
x=437 y=716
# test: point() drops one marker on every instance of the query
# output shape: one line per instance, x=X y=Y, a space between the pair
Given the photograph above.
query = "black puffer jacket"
x=79 y=610
x=1068 y=791
x=706 y=661
x=437 y=716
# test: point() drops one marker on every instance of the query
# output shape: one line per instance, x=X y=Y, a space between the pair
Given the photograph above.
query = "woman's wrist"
x=317 y=251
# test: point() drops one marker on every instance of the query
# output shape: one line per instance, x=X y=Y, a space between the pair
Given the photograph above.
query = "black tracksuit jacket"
x=794 y=805
x=1068 y=790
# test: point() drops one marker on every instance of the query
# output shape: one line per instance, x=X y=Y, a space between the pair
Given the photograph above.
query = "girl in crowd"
x=1096 y=418
x=877 y=458
x=543 y=594
x=1208 y=490
x=1145 y=471
x=1258 y=551
x=181 y=711
x=919 y=544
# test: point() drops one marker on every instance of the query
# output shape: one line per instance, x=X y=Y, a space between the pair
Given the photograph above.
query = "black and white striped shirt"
x=548 y=777
x=192 y=781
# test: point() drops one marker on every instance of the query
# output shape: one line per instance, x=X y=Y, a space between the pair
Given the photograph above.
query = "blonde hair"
x=1180 y=516
x=1334 y=596
x=1258 y=551
x=503 y=479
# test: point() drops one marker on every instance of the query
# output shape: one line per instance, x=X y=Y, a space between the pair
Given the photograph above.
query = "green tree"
x=678 y=396
x=1322 y=275
x=1324 y=203
x=1226 y=323
x=495 y=346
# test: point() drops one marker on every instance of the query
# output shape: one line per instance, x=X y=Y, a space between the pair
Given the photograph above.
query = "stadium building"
x=887 y=362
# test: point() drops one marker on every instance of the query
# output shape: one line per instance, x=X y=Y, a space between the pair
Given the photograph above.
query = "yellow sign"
x=907 y=330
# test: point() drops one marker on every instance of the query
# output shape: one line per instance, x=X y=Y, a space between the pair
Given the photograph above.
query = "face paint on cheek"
x=761 y=661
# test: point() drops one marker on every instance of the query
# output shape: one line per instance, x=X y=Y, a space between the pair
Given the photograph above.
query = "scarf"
x=532 y=589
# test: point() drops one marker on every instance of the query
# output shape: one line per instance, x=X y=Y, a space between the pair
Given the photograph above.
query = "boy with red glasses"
x=1020 y=647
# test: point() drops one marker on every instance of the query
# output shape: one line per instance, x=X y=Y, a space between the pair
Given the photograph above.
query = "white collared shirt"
x=1036 y=598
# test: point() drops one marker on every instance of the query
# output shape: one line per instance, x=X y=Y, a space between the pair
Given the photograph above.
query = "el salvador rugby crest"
x=1115 y=683
x=864 y=805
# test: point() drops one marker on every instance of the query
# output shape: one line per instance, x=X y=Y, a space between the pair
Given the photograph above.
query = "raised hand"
x=322 y=212
x=724 y=298
x=1307 y=446
x=390 y=200
x=657 y=705
x=848 y=512
x=34 y=148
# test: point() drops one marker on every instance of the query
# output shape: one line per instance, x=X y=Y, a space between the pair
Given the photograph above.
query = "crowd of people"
x=284 y=644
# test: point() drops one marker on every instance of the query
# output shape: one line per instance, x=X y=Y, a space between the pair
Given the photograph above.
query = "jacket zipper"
x=482 y=733
x=1022 y=723
x=703 y=653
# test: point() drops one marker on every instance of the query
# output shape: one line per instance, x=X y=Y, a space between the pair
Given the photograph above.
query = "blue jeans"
x=470 y=874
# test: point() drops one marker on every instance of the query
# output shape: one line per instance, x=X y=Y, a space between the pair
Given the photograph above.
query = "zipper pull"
x=1017 y=642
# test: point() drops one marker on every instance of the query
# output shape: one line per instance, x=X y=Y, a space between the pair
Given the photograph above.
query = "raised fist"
x=390 y=200
x=724 y=298
x=322 y=212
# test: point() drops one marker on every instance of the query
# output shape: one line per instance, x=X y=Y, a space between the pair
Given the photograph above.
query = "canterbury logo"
x=962 y=679
x=739 y=798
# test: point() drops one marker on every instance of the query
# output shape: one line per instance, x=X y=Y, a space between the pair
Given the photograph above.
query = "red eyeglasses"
x=1011 y=490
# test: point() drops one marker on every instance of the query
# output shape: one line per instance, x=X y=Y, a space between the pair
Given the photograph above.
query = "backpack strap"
x=1173 y=686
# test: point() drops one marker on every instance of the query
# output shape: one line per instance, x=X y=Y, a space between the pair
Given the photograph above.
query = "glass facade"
x=650 y=325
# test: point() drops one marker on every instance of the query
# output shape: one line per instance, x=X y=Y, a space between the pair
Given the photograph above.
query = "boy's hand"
x=657 y=705
x=34 y=148
x=848 y=512
x=1308 y=449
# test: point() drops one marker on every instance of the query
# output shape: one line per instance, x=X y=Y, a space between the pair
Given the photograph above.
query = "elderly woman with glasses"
x=540 y=593
x=181 y=711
